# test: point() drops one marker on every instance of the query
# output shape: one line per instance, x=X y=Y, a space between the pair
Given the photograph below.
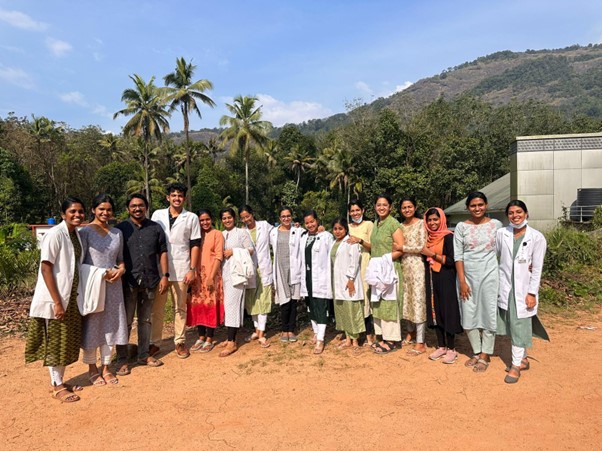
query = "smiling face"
x=382 y=208
x=355 y=213
x=176 y=199
x=103 y=212
x=74 y=216
x=228 y=221
x=248 y=219
x=137 y=209
x=408 y=209
x=433 y=222
x=516 y=215
x=311 y=224
x=205 y=222
x=286 y=218
x=477 y=208
x=339 y=232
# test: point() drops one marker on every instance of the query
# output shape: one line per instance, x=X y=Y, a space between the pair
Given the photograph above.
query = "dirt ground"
x=286 y=398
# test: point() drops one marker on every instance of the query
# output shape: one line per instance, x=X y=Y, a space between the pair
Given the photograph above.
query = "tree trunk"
x=246 y=181
x=146 y=180
x=188 y=183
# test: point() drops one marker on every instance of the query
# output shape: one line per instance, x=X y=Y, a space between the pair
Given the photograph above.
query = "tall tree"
x=299 y=161
x=182 y=92
x=244 y=129
x=147 y=107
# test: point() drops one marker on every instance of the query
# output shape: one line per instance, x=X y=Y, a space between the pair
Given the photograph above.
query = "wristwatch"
x=193 y=269
x=166 y=275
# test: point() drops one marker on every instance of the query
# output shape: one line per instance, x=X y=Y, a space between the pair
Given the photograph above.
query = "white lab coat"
x=92 y=289
x=242 y=267
x=321 y=279
x=56 y=248
x=347 y=265
x=531 y=253
x=186 y=227
x=296 y=266
x=382 y=278
x=261 y=256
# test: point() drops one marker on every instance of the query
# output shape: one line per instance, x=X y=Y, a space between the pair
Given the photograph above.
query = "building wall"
x=547 y=171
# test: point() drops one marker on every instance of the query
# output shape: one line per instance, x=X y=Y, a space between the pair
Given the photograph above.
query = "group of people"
x=366 y=276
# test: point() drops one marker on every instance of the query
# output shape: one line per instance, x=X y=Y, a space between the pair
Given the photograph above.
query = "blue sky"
x=304 y=59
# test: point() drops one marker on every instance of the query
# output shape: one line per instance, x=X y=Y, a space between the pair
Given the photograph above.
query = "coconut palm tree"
x=147 y=107
x=244 y=130
x=182 y=92
x=300 y=161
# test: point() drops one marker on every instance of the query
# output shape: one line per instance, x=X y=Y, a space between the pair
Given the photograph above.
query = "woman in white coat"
x=521 y=251
x=287 y=268
x=316 y=285
x=347 y=284
x=54 y=331
x=258 y=300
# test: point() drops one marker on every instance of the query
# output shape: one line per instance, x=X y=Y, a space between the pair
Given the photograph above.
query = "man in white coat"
x=183 y=234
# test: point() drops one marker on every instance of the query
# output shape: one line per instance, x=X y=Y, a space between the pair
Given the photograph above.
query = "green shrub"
x=569 y=246
x=19 y=258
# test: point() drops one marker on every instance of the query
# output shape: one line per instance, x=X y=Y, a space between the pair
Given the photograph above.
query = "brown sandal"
x=472 y=361
x=229 y=349
x=65 y=395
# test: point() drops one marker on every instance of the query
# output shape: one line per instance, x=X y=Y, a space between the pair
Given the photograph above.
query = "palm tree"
x=299 y=160
x=269 y=152
x=147 y=107
x=245 y=128
x=182 y=92
x=341 y=170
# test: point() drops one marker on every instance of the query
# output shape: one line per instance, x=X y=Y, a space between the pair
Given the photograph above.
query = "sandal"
x=65 y=395
x=319 y=347
x=415 y=352
x=292 y=338
x=124 y=370
x=252 y=337
x=150 y=361
x=97 y=380
x=472 y=361
x=196 y=347
x=229 y=349
x=406 y=342
x=481 y=366
x=264 y=342
x=207 y=346
x=110 y=378
x=343 y=345
x=512 y=379
x=380 y=349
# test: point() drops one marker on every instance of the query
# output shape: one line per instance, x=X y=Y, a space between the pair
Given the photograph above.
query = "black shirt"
x=144 y=245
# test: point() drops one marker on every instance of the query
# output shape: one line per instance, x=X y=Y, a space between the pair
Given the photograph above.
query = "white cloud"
x=101 y=110
x=364 y=87
x=17 y=77
x=75 y=97
x=11 y=48
x=399 y=88
x=21 y=20
x=97 y=56
x=57 y=47
x=297 y=111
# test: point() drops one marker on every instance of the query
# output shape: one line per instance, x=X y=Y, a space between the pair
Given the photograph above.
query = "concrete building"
x=547 y=173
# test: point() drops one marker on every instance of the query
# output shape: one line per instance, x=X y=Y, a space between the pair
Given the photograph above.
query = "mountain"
x=569 y=79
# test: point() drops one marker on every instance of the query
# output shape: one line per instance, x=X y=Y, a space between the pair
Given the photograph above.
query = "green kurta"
x=381 y=242
x=520 y=330
x=258 y=300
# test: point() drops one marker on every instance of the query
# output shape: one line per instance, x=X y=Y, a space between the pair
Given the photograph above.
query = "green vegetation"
x=19 y=258
x=572 y=277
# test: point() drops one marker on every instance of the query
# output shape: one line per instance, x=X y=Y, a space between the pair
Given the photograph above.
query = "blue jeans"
x=140 y=300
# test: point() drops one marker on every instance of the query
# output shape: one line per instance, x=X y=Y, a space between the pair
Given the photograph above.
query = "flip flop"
x=110 y=378
x=154 y=363
x=207 y=346
x=264 y=342
x=415 y=352
x=252 y=337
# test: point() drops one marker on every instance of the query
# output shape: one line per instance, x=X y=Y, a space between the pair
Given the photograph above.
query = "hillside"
x=569 y=78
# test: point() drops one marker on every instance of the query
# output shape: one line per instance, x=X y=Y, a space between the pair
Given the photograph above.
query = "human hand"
x=115 y=275
x=427 y=252
x=531 y=301
x=189 y=277
x=350 y=287
x=228 y=253
x=59 y=311
x=163 y=284
x=465 y=291
x=210 y=285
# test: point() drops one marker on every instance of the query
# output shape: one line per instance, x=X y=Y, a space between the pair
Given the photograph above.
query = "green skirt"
x=56 y=343
x=350 y=317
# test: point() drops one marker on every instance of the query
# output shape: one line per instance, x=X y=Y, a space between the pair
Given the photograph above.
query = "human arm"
x=194 y=257
x=537 y=258
x=465 y=290
x=398 y=242
x=218 y=250
x=164 y=282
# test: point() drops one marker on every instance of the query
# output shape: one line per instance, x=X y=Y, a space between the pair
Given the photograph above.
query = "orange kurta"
x=206 y=308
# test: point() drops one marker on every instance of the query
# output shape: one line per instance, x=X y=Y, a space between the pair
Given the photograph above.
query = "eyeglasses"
x=285 y=217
